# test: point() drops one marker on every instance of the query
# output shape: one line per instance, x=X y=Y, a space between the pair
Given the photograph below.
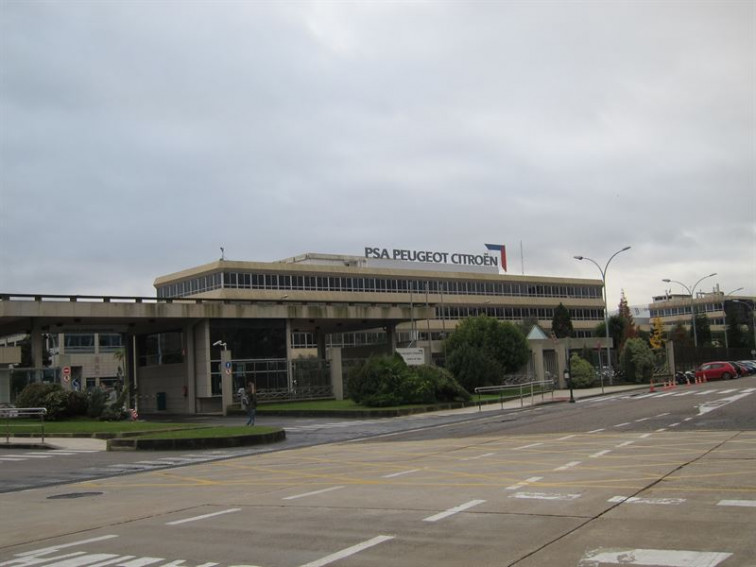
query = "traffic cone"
x=651 y=388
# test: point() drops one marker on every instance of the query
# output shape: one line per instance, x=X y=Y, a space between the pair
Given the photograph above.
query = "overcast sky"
x=138 y=137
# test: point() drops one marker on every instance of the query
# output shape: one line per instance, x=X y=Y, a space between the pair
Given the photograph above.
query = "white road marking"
x=312 y=493
x=749 y=390
x=660 y=430
x=527 y=446
x=54 y=548
x=674 y=424
x=662 y=414
x=638 y=500
x=622 y=424
x=650 y=394
x=642 y=419
x=706 y=407
x=565 y=438
x=625 y=444
x=525 y=482
x=394 y=475
x=569 y=465
x=688 y=393
x=10 y=459
x=600 y=454
x=348 y=551
x=707 y=392
x=665 y=395
x=545 y=496
x=478 y=457
x=730 y=391
x=656 y=557
x=596 y=431
x=452 y=511
x=743 y=503
x=645 y=436
x=202 y=517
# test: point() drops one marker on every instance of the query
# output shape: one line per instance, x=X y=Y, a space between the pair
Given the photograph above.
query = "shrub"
x=33 y=395
x=582 y=373
x=446 y=388
x=388 y=381
x=77 y=403
x=96 y=399
x=637 y=361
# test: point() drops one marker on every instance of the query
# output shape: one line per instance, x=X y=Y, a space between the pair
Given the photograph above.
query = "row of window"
x=86 y=342
x=685 y=310
x=282 y=282
x=516 y=313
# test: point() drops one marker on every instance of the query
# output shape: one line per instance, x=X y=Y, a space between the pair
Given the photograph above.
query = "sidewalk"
x=67 y=443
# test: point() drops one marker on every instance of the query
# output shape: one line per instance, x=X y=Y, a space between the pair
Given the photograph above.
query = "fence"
x=518 y=388
x=281 y=379
x=10 y=414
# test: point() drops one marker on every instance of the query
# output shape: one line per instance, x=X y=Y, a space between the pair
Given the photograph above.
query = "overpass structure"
x=187 y=371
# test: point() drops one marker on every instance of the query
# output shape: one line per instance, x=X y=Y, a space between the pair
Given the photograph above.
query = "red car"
x=716 y=371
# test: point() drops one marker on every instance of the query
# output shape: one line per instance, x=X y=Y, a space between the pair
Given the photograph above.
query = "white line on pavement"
x=565 y=438
x=569 y=465
x=54 y=548
x=524 y=483
x=625 y=444
x=638 y=500
x=527 y=446
x=393 y=475
x=657 y=557
x=645 y=436
x=743 y=503
x=662 y=414
x=312 y=493
x=475 y=458
x=202 y=517
x=622 y=424
x=348 y=551
x=600 y=454
x=596 y=430
x=544 y=496
x=452 y=511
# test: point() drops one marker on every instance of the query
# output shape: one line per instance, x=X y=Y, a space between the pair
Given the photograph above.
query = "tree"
x=629 y=328
x=656 y=341
x=679 y=335
x=703 y=329
x=561 y=323
x=637 y=361
x=481 y=350
x=582 y=372
x=616 y=330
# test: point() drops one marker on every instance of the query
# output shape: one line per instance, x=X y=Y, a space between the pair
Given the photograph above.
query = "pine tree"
x=561 y=324
x=630 y=330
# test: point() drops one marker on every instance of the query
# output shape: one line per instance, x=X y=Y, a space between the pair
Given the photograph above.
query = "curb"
x=137 y=444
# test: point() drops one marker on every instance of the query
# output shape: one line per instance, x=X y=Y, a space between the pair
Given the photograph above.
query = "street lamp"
x=606 y=307
x=691 y=291
x=753 y=322
x=724 y=312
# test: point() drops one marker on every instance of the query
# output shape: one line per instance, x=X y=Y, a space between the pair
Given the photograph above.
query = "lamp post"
x=691 y=291
x=753 y=322
x=724 y=312
x=606 y=306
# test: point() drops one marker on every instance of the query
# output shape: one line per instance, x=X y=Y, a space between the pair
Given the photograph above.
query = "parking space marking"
x=600 y=454
x=545 y=496
x=638 y=500
x=452 y=511
x=202 y=517
x=625 y=444
x=313 y=493
x=402 y=473
x=742 y=503
x=569 y=465
x=658 y=557
x=566 y=437
x=596 y=431
x=475 y=458
x=348 y=551
x=527 y=446
x=525 y=482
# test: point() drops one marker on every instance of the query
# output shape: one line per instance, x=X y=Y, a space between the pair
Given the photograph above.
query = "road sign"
x=66 y=373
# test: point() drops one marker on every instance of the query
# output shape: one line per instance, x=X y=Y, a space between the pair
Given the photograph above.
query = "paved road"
x=629 y=478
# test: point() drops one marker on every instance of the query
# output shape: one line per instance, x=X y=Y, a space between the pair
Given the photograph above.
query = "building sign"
x=412 y=356
x=433 y=257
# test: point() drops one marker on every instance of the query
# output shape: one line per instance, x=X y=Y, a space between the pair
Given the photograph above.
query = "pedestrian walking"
x=249 y=401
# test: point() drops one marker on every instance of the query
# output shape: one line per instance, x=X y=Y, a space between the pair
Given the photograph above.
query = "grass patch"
x=211 y=432
x=90 y=427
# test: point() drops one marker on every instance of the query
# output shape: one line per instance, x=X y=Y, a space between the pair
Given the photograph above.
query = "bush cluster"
x=64 y=404
x=582 y=373
x=387 y=381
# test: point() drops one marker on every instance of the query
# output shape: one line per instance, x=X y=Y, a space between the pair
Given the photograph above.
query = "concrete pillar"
x=537 y=353
x=320 y=340
x=37 y=346
x=562 y=363
x=227 y=389
x=337 y=375
x=391 y=337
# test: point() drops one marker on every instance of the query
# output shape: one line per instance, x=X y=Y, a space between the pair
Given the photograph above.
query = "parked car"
x=717 y=371
x=750 y=366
